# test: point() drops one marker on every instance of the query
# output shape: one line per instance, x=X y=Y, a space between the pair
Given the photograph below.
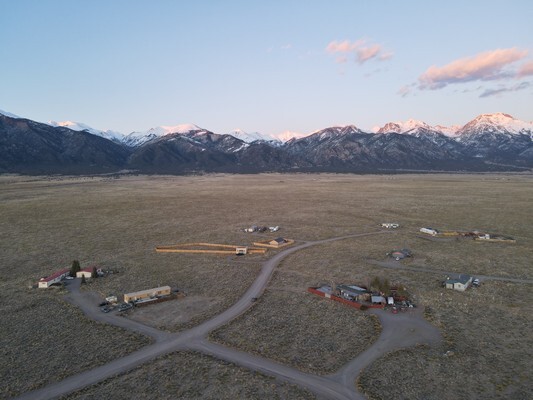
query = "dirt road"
x=397 y=265
x=399 y=331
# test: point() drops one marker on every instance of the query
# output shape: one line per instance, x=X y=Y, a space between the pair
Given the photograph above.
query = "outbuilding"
x=429 y=231
x=241 y=250
x=277 y=242
x=86 y=272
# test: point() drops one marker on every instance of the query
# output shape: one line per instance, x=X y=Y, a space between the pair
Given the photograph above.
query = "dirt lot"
x=116 y=223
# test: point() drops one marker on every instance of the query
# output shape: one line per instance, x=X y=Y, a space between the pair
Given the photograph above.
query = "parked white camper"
x=429 y=231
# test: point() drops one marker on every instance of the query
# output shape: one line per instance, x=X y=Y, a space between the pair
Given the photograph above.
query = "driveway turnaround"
x=399 y=331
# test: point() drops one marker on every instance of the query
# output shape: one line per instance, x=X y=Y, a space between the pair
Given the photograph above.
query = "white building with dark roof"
x=460 y=282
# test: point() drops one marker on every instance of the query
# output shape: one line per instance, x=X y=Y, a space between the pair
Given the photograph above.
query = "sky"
x=278 y=67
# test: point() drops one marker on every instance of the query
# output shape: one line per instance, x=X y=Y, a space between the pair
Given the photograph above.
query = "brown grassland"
x=116 y=223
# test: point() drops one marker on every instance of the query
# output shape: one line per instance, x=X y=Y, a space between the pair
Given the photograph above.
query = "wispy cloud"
x=503 y=89
x=287 y=46
x=489 y=65
x=525 y=70
x=360 y=49
x=405 y=90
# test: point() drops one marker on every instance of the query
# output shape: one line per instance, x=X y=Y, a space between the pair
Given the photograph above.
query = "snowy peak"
x=81 y=127
x=135 y=139
x=496 y=123
x=409 y=126
x=336 y=131
x=249 y=137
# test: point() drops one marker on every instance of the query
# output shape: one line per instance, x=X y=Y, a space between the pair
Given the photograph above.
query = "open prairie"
x=116 y=223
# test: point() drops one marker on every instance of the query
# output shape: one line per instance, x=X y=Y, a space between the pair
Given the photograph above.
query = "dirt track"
x=399 y=331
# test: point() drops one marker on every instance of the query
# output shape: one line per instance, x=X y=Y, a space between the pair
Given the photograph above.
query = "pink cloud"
x=360 y=49
x=525 y=70
x=484 y=66
x=367 y=53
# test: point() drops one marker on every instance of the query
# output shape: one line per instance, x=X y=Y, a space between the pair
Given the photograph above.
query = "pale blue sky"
x=267 y=66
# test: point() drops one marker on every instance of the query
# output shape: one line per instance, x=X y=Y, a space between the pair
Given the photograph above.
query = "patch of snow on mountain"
x=8 y=114
x=450 y=131
x=285 y=136
x=249 y=137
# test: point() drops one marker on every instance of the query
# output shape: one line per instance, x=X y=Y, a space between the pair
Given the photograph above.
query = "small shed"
x=277 y=242
x=241 y=250
x=378 y=300
x=390 y=301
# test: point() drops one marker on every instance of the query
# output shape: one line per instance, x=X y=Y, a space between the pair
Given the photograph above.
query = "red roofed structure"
x=54 y=278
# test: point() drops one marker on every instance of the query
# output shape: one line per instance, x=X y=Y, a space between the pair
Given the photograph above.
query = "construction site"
x=210 y=248
x=474 y=235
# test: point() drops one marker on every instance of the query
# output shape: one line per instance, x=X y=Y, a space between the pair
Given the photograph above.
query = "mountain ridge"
x=488 y=142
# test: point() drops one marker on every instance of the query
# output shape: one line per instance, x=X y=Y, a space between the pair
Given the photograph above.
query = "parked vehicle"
x=125 y=306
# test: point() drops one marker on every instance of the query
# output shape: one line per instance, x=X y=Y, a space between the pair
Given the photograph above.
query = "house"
x=429 y=231
x=147 y=294
x=86 y=272
x=378 y=300
x=277 y=242
x=354 y=293
x=460 y=282
x=54 y=278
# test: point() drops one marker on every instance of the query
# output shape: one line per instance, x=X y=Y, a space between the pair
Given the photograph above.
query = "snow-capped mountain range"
x=497 y=122
x=488 y=142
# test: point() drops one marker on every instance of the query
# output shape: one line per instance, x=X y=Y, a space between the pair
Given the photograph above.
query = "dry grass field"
x=116 y=223
x=191 y=376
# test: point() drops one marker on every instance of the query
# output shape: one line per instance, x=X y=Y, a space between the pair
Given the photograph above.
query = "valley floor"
x=116 y=223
